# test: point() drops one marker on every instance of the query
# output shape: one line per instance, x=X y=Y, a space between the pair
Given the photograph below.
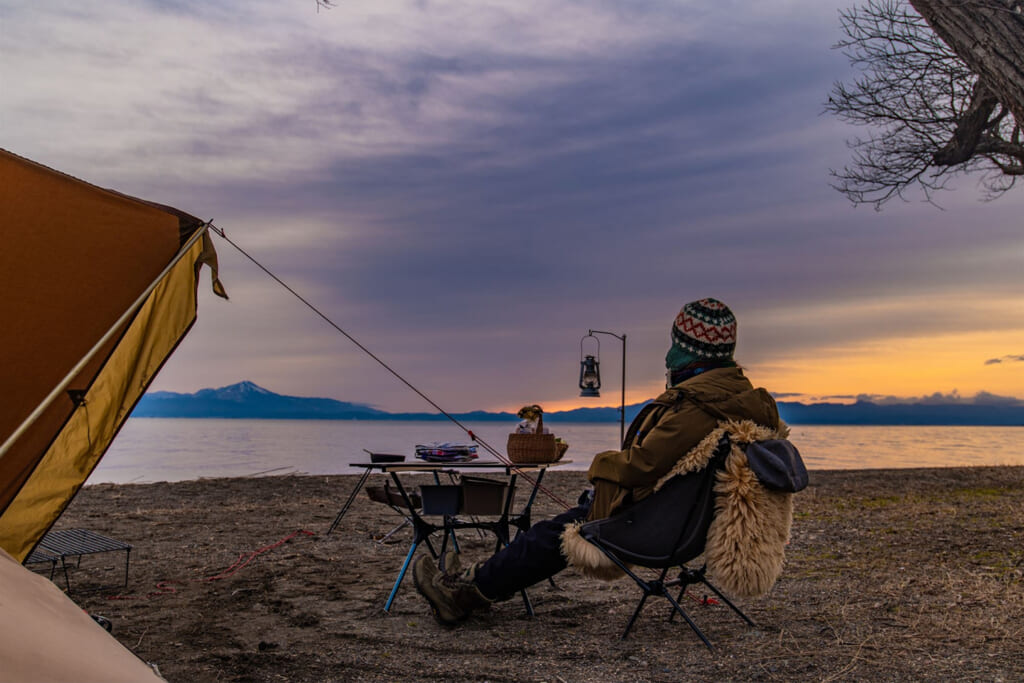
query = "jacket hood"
x=726 y=394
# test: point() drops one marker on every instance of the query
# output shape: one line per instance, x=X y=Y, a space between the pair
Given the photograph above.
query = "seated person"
x=706 y=386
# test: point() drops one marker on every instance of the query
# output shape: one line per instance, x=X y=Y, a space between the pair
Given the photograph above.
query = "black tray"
x=386 y=457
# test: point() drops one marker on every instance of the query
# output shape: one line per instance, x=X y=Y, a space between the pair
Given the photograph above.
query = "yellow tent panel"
x=96 y=291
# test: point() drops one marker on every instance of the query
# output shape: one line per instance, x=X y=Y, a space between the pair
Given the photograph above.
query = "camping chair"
x=665 y=530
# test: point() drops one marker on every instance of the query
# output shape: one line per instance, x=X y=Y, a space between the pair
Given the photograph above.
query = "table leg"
x=401 y=575
x=503 y=536
x=383 y=539
x=523 y=520
x=421 y=534
x=430 y=547
x=64 y=566
x=455 y=542
x=502 y=524
x=352 y=497
x=527 y=603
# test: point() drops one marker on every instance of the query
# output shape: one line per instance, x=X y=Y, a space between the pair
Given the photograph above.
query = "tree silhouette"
x=932 y=114
x=988 y=35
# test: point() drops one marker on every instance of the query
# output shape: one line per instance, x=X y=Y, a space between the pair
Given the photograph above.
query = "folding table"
x=65 y=543
x=499 y=524
x=41 y=556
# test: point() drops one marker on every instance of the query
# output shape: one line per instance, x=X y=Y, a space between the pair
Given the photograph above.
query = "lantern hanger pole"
x=622 y=404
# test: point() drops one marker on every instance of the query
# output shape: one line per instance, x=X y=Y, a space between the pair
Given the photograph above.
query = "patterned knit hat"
x=703 y=330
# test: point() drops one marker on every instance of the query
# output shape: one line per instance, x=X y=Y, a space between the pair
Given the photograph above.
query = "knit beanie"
x=704 y=330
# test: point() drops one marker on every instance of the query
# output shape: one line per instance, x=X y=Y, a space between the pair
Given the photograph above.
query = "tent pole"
x=41 y=408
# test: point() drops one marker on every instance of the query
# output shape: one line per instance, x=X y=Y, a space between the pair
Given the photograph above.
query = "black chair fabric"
x=663 y=530
x=667 y=528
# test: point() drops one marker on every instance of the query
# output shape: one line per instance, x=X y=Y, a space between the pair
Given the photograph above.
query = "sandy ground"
x=891 y=575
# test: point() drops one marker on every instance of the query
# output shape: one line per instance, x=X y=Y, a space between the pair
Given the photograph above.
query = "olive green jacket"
x=668 y=428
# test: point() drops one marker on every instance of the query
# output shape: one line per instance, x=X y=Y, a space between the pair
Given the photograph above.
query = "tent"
x=98 y=288
x=46 y=637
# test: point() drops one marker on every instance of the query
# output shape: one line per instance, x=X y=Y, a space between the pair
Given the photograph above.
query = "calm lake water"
x=155 y=449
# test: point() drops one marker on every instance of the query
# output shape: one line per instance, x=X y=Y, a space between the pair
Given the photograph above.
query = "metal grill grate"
x=67 y=543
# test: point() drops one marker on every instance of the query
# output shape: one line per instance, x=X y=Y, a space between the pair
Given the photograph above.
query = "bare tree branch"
x=930 y=115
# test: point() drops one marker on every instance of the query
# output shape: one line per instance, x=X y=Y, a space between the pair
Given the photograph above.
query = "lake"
x=160 y=449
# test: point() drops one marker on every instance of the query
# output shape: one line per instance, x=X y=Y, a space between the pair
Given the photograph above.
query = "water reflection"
x=150 y=449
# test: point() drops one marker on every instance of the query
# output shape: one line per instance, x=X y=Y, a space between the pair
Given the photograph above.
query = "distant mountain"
x=596 y=414
x=248 y=400
x=867 y=413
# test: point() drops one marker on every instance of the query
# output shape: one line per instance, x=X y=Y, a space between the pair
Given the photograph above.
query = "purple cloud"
x=1005 y=359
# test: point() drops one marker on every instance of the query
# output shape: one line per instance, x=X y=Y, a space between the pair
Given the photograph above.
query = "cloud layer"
x=468 y=188
x=1005 y=359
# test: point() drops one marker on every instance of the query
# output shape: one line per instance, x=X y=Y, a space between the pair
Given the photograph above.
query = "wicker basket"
x=561 y=447
x=533 y=448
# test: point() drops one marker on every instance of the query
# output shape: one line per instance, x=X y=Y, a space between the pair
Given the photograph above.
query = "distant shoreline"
x=891 y=473
x=554 y=418
x=247 y=400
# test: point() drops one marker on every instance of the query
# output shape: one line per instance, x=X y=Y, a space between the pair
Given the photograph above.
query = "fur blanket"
x=746 y=542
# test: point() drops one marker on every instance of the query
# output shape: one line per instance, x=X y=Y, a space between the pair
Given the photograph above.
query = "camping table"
x=499 y=525
x=42 y=556
x=78 y=542
x=359 y=486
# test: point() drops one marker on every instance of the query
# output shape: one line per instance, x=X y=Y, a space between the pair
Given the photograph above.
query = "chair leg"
x=728 y=602
x=696 y=629
x=658 y=587
x=689 y=577
x=636 y=613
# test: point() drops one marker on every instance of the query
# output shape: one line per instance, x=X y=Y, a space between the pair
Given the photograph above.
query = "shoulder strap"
x=707 y=408
x=634 y=433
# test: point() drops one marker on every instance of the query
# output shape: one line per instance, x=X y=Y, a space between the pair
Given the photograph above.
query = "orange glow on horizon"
x=905 y=368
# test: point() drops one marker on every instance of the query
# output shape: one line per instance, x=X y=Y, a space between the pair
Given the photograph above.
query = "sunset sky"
x=468 y=187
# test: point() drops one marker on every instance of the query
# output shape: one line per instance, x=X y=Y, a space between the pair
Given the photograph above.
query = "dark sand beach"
x=911 y=575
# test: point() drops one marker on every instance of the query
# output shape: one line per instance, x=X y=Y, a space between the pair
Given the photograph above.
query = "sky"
x=468 y=188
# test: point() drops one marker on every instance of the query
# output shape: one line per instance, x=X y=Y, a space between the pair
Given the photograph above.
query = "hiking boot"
x=424 y=570
x=452 y=597
x=451 y=562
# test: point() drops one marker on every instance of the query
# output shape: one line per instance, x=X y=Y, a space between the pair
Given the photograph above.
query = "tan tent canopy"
x=46 y=638
x=96 y=290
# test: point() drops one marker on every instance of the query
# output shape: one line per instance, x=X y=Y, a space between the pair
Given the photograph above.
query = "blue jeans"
x=532 y=557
